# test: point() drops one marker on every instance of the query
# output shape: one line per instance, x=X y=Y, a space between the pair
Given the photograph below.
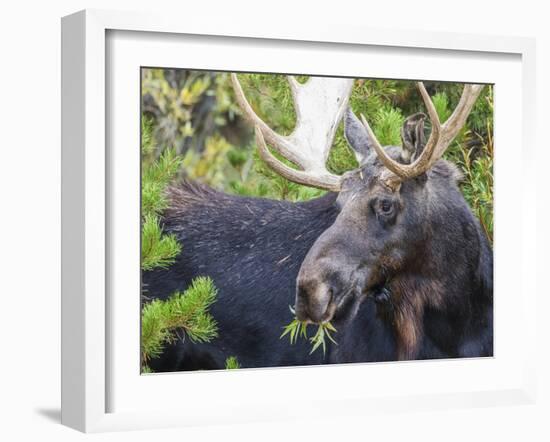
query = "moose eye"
x=386 y=207
x=385 y=210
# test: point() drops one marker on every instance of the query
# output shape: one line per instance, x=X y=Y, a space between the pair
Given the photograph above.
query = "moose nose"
x=313 y=300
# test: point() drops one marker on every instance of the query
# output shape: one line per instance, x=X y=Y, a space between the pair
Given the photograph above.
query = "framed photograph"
x=252 y=217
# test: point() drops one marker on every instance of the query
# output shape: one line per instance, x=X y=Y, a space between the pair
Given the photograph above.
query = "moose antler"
x=440 y=138
x=320 y=104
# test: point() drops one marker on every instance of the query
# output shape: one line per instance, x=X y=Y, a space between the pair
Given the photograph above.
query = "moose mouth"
x=346 y=305
x=343 y=305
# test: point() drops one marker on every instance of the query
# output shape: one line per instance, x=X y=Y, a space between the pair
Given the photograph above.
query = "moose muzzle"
x=329 y=277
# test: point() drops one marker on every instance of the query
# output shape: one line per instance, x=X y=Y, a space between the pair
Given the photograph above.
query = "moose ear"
x=412 y=137
x=356 y=136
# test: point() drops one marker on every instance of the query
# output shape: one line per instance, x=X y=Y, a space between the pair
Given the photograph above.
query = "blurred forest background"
x=195 y=114
x=192 y=127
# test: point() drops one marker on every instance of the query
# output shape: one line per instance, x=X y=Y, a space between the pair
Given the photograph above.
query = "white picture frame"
x=87 y=211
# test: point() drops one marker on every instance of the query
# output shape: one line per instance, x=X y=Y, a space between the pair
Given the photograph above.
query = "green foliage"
x=271 y=98
x=186 y=106
x=298 y=329
x=295 y=330
x=156 y=173
x=157 y=250
x=478 y=185
x=473 y=152
x=195 y=113
x=341 y=158
x=227 y=158
x=147 y=141
x=145 y=369
x=387 y=126
x=231 y=363
x=155 y=177
x=441 y=104
x=369 y=96
x=183 y=314
x=320 y=336
x=186 y=313
x=208 y=165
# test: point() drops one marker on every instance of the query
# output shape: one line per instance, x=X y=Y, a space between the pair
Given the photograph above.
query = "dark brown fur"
x=420 y=243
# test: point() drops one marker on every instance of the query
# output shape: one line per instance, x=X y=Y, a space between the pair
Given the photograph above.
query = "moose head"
x=393 y=209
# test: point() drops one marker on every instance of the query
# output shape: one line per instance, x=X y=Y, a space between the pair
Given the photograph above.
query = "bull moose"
x=392 y=255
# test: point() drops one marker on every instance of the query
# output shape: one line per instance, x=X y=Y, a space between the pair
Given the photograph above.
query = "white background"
x=131 y=392
x=29 y=182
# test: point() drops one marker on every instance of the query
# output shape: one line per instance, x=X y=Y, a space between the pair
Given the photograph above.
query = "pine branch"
x=157 y=250
x=147 y=141
x=155 y=178
x=387 y=126
x=231 y=363
x=185 y=312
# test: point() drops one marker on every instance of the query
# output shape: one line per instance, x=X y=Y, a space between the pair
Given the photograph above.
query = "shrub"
x=226 y=155
x=182 y=314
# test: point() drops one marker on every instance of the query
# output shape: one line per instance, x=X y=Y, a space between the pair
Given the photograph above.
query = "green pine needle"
x=147 y=141
x=298 y=329
x=163 y=322
x=155 y=177
x=231 y=363
x=388 y=122
x=157 y=250
x=233 y=165
x=145 y=369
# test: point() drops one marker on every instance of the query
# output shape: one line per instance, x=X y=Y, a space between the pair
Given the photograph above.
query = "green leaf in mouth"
x=298 y=329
